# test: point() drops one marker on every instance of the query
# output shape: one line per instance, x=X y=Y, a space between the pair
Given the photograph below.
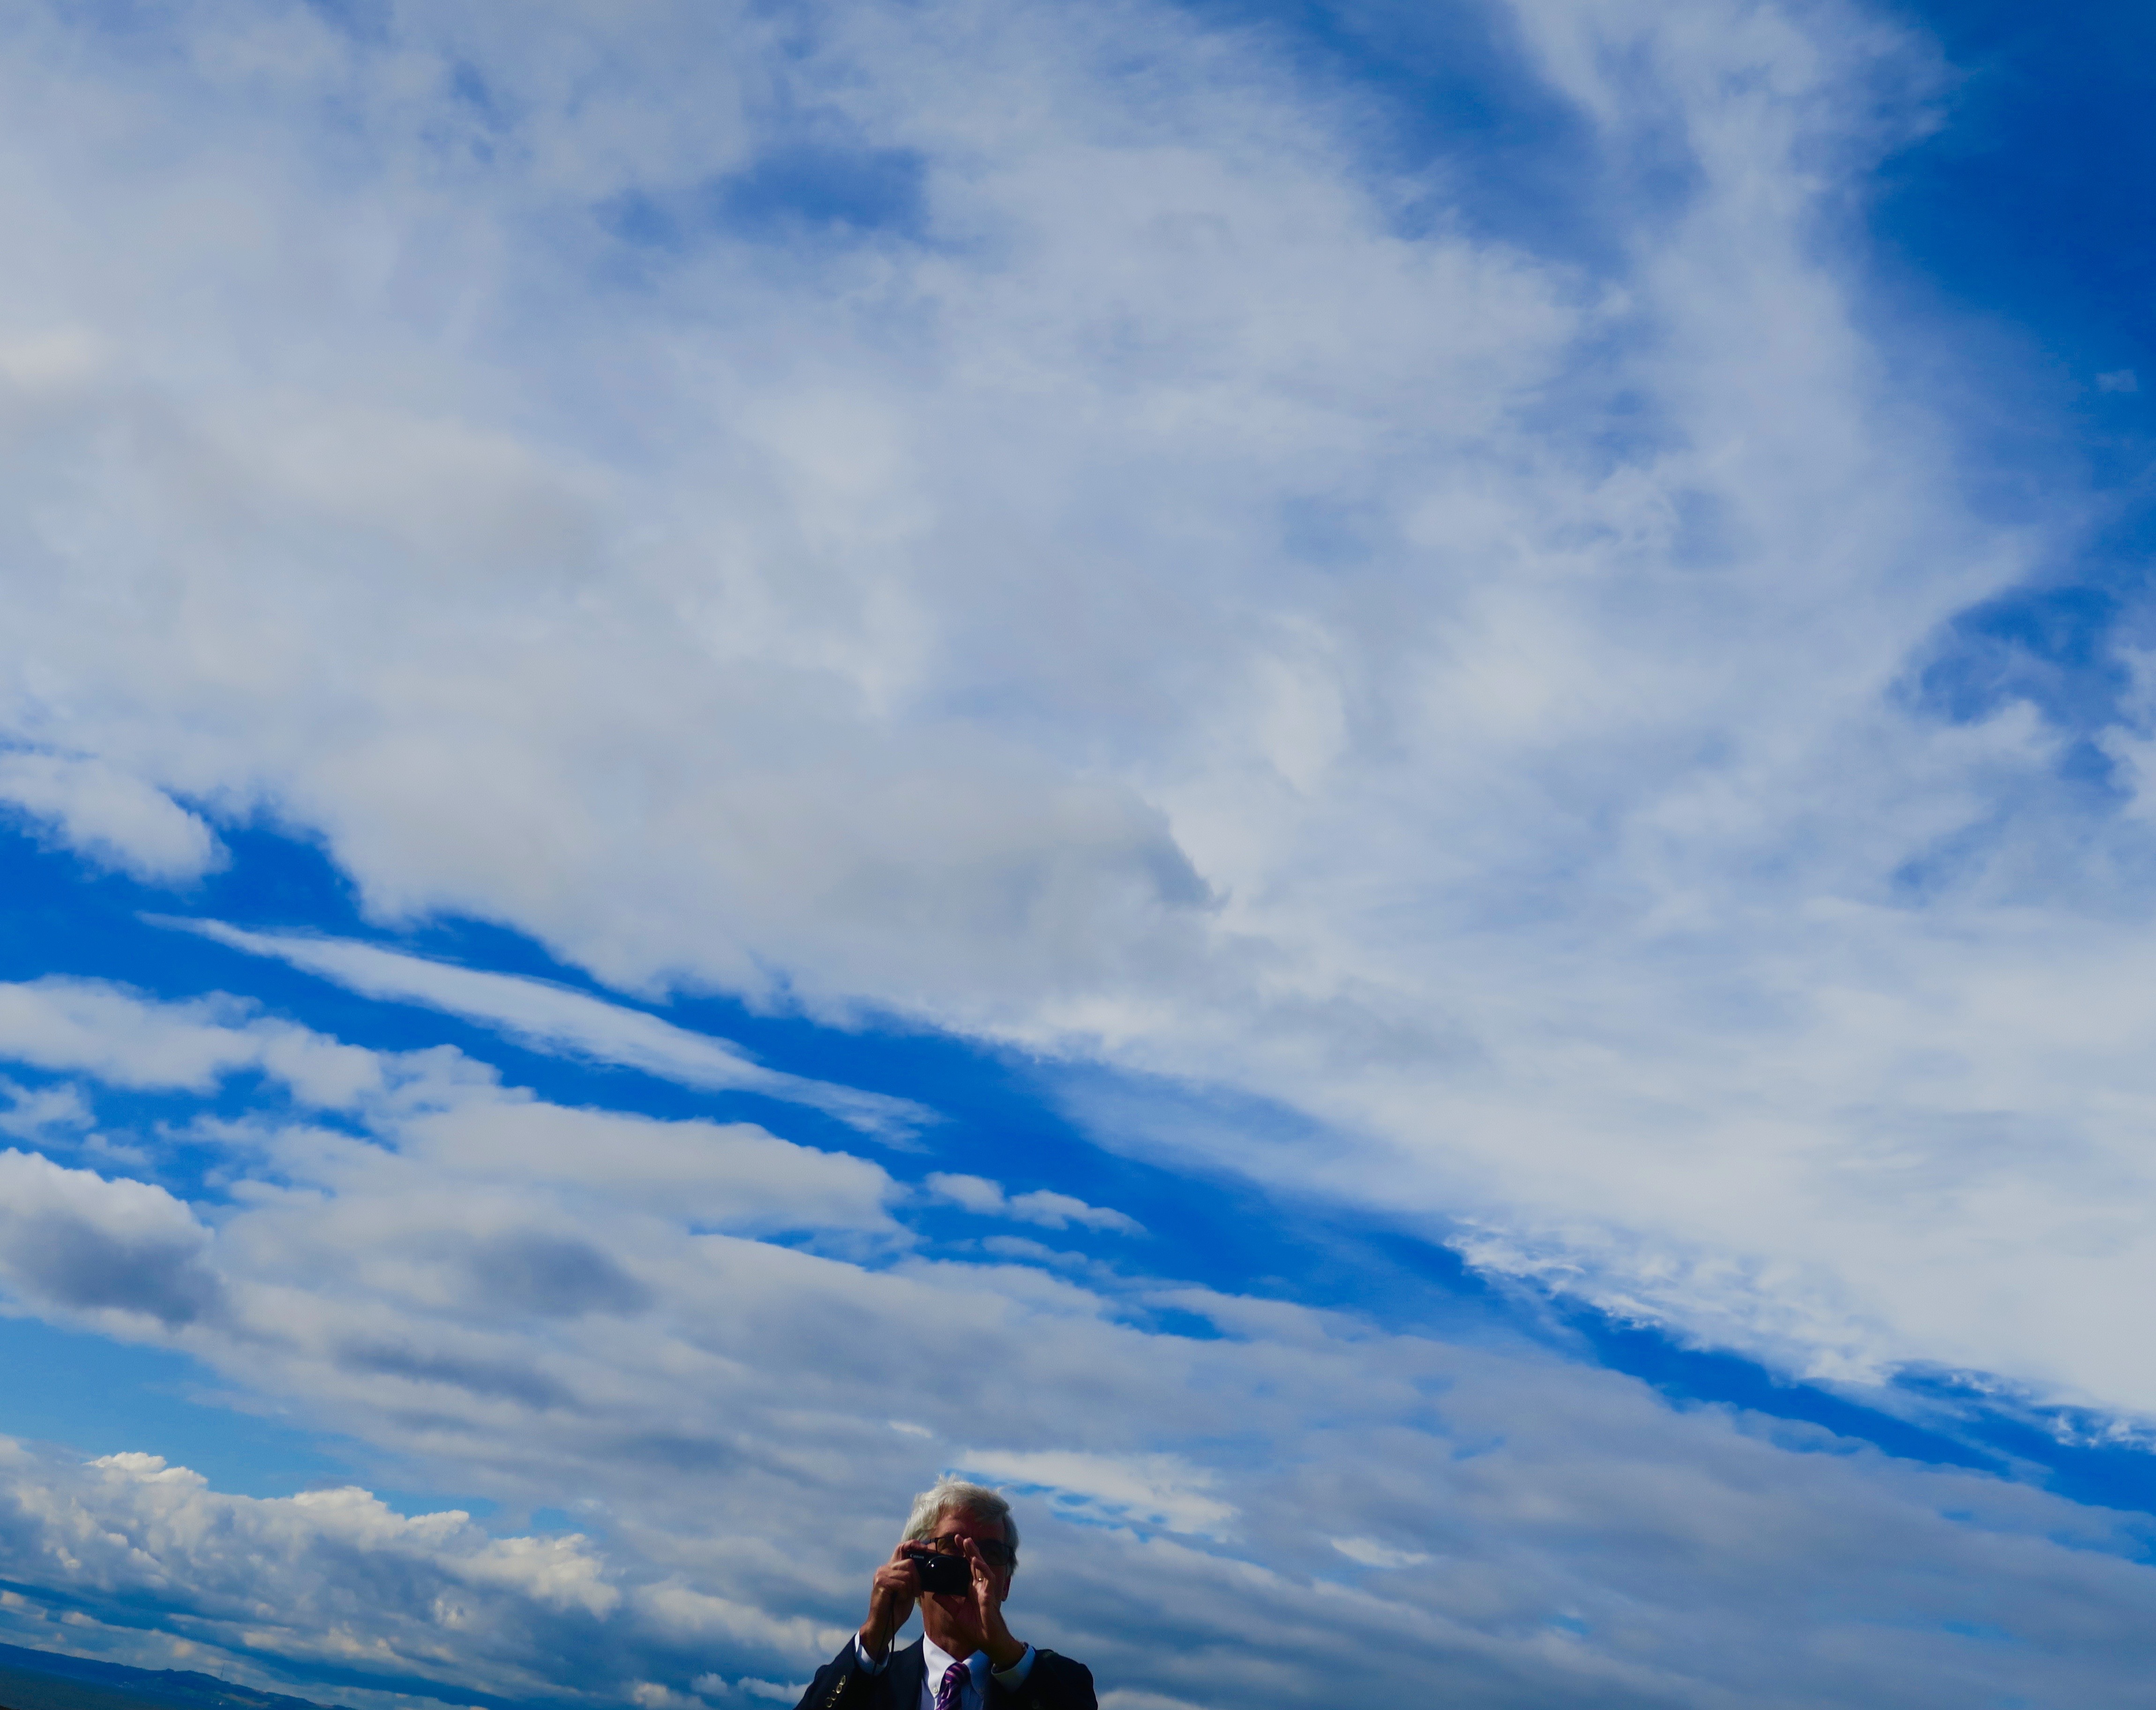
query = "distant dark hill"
x=45 y=1680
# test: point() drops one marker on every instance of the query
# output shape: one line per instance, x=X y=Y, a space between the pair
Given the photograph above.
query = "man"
x=965 y=1658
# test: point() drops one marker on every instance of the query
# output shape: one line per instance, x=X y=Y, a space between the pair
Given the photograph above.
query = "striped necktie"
x=954 y=1678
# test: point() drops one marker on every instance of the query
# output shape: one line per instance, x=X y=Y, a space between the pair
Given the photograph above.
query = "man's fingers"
x=899 y=1581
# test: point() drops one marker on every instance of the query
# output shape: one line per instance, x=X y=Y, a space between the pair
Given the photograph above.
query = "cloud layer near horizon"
x=722 y=1352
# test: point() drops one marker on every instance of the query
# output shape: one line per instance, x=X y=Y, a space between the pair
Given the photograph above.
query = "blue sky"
x=1364 y=789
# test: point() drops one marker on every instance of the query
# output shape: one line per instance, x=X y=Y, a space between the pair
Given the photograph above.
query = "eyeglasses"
x=993 y=1551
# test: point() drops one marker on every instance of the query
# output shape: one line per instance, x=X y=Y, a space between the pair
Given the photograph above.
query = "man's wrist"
x=1005 y=1652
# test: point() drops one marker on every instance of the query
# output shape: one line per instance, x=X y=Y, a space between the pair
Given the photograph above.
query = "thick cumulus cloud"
x=726 y=1358
x=1018 y=516
x=331 y=1575
x=71 y=1240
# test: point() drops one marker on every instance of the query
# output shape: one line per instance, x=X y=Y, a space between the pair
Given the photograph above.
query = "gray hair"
x=955 y=1496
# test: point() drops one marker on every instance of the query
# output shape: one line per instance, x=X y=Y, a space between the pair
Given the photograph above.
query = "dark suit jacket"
x=1052 y=1683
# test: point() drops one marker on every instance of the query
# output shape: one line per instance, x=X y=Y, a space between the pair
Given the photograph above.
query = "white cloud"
x=112 y=819
x=119 y=1036
x=1146 y=1490
x=1143 y=1701
x=732 y=1175
x=120 y=1254
x=555 y=1019
x=1181 y=614
x=332 y=1576
x=1662 y=1554
x=530 y=1303
x=34 y=1112
x=1371 y=1554
x=1051 y=1210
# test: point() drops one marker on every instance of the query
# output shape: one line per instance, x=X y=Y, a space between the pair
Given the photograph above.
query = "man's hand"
x=986 y=1611
x=892 y=1593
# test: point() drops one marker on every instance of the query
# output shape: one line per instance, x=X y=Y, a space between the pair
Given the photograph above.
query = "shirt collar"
x=939 y=1659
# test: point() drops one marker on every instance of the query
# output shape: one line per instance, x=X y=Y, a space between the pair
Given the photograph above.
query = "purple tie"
x=946 y=1694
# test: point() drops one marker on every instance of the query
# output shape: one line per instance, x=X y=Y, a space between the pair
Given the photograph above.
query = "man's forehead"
x=958 y=1520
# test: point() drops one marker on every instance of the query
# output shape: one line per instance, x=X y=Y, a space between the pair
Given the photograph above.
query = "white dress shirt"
x=973 y=1693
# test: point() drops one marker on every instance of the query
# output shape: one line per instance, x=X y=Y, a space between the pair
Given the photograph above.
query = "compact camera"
x=947 y=1576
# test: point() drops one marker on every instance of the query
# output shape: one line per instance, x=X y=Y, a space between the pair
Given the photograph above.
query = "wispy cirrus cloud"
x=1092 y=571
x=554 y=1018
x=118 y=1035
x=1042 y=1206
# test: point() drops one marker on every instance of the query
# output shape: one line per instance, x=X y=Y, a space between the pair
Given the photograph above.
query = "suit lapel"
x=908 y=1669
